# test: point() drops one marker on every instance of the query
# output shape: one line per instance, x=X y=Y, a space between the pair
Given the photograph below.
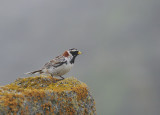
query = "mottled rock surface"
x=44 y=95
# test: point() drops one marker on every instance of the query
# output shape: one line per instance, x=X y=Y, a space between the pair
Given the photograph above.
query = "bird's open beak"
x=79 y=52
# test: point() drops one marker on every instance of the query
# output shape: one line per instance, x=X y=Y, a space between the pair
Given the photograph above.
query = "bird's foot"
x=61 y=77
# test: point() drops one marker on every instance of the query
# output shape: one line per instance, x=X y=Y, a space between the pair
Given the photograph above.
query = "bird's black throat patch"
x=72 y=60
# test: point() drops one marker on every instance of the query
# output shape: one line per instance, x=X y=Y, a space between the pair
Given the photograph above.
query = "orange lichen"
x=34 y=90
x=13 y=101
x=70 y=84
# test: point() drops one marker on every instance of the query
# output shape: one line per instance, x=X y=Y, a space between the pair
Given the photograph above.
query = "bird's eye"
x=74 y=53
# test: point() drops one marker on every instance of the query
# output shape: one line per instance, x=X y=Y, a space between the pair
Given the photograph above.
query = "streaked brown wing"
x=58 y=61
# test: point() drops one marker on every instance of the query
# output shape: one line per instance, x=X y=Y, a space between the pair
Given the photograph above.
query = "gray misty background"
x=120 y=41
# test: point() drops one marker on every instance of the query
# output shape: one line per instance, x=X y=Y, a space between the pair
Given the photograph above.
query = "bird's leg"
x=54 y=80
x=52 y=75
x=61 y=77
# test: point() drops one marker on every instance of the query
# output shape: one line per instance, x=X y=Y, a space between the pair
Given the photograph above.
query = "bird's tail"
x=34 y=72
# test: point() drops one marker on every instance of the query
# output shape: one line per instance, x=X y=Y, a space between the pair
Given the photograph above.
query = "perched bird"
x=59 y=65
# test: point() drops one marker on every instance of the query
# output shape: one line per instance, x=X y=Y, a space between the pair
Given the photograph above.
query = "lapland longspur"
x=59 y=65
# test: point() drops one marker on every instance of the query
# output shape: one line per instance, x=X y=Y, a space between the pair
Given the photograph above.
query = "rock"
x=44 y=95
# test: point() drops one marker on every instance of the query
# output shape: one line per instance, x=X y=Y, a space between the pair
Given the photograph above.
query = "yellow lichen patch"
x=36 y=87
x=66 y=85
x=70 y=84
x=37 y=82
x=81 y=91
x=34 y=93
x=45 y=83
x=44 y=92
x=11 y=100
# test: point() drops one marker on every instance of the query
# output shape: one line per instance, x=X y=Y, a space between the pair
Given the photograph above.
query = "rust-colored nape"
x=65 y=54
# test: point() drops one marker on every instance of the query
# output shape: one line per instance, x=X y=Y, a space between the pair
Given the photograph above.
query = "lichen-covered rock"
x=44 y=95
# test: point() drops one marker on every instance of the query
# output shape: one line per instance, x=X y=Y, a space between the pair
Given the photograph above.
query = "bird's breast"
x=61 y=70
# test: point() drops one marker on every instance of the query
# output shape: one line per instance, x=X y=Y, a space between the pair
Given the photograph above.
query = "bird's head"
x=72 y=52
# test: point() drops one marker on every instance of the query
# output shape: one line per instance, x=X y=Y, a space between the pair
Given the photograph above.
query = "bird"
x=60 y=65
